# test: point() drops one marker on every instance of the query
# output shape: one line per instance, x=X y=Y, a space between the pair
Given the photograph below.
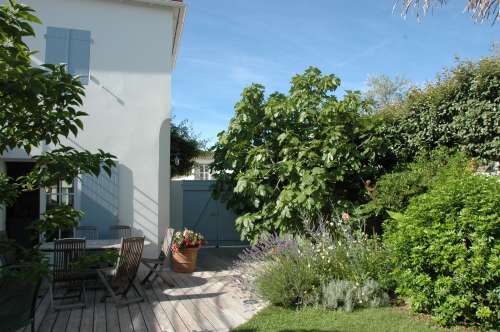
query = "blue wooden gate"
x=200 y=212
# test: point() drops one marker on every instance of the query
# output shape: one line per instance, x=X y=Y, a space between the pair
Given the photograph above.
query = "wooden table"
x=91 y=245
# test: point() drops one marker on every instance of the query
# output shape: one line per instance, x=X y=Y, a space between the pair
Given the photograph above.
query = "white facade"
x=128 y=98
x=200 y=171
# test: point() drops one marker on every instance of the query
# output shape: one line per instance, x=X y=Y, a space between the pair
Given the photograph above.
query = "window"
x=69 y=46
x=61 y=194
x=202 y=172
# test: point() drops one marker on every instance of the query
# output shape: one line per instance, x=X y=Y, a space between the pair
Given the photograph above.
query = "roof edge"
x=181 y=15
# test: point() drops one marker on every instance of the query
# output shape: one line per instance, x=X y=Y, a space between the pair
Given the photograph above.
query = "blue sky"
x=229 y=44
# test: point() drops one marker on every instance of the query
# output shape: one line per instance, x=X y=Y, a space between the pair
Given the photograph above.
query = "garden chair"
x=66 y=274
x=119 y=279
x=120 y=231
x=18 y=295
x=87 y=232
x=155 y=264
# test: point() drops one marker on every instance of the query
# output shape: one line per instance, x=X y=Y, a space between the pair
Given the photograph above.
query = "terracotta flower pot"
x=185 y=260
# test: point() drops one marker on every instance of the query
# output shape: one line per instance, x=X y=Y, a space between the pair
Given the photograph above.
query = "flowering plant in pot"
x=185 y=245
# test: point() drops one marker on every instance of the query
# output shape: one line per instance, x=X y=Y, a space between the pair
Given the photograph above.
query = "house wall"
x=128 y=99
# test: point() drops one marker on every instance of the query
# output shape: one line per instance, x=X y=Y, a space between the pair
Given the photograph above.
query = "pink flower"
x=345 y=216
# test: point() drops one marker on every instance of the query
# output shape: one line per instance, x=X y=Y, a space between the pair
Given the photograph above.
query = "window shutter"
x=79 y=54
x=57 y=45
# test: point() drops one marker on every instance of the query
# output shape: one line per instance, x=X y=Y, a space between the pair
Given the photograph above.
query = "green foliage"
x=315 y=319
x=347 y=295
x=286 y=156
x=39 y=104
x=460 y=111
x=393 y=191
x=184 y=145
x=288 y=280
x=293 y=271
x=384 y=91
x=101 y=259
x=66 y=163
x=445 y=248
x=58 y=217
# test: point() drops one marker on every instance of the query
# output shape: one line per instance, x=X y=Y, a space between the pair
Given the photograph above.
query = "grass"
x=316 y=320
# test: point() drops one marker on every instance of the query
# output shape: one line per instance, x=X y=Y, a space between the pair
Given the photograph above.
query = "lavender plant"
x=294 y=270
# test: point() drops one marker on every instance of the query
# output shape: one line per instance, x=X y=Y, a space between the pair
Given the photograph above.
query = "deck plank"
x=199 y=300
x=87 y=323
x=112 y=322
x=41 y=311
x=99 y=312
x=206 y=300
x=192 y=315
x=124 y=319
x=138 y=321
x=164 y=322
x=179 y=319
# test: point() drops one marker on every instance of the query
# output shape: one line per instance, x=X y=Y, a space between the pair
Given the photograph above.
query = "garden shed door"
x=193 y=207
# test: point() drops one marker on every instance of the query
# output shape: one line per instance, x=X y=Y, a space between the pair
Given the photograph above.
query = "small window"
x=69 y=46
x=202 y=172
x=62 y=193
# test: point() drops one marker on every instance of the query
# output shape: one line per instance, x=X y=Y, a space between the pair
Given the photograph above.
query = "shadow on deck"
x=206 y=300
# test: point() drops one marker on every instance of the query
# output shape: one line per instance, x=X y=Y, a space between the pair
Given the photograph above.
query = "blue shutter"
x=79 y=54
x=57 y=45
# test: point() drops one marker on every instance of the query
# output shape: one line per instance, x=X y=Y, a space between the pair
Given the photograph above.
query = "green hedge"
x=460 y=110
x=446 y=251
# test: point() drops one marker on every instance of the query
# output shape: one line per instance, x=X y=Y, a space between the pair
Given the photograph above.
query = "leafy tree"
x=185 y=145
x=481 y=9
x=40 y=106
x=287 y=156
x=384 y=91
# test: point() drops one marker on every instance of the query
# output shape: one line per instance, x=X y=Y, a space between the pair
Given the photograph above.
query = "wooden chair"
x=155 y=264
x=87 y=232
x=120 y=231
x=66 y=273
x=119 y=279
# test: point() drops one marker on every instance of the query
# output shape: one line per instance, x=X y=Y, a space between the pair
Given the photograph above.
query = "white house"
x=201 y=168
x=125 y=52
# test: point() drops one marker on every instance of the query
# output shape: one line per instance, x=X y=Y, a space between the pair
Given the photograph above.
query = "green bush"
x=459 y=111
x=347 y=295
x=288 y=280
x=293 y=271
x=393 y=191
x=446 y=252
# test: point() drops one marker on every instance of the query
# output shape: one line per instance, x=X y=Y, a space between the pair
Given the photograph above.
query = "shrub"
x=347 y=295
x=289 y=280
x=459 y=111
x=292 y=271
x=445 y=250
x=393 y=191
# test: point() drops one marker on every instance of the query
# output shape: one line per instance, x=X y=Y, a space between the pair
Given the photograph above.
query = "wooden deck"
x=206 y=300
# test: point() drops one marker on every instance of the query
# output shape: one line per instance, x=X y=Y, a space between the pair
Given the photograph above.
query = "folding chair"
x=155 y=264
x=87 y=232
x=119 y=279
x=65 y=273
x=120 y=231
